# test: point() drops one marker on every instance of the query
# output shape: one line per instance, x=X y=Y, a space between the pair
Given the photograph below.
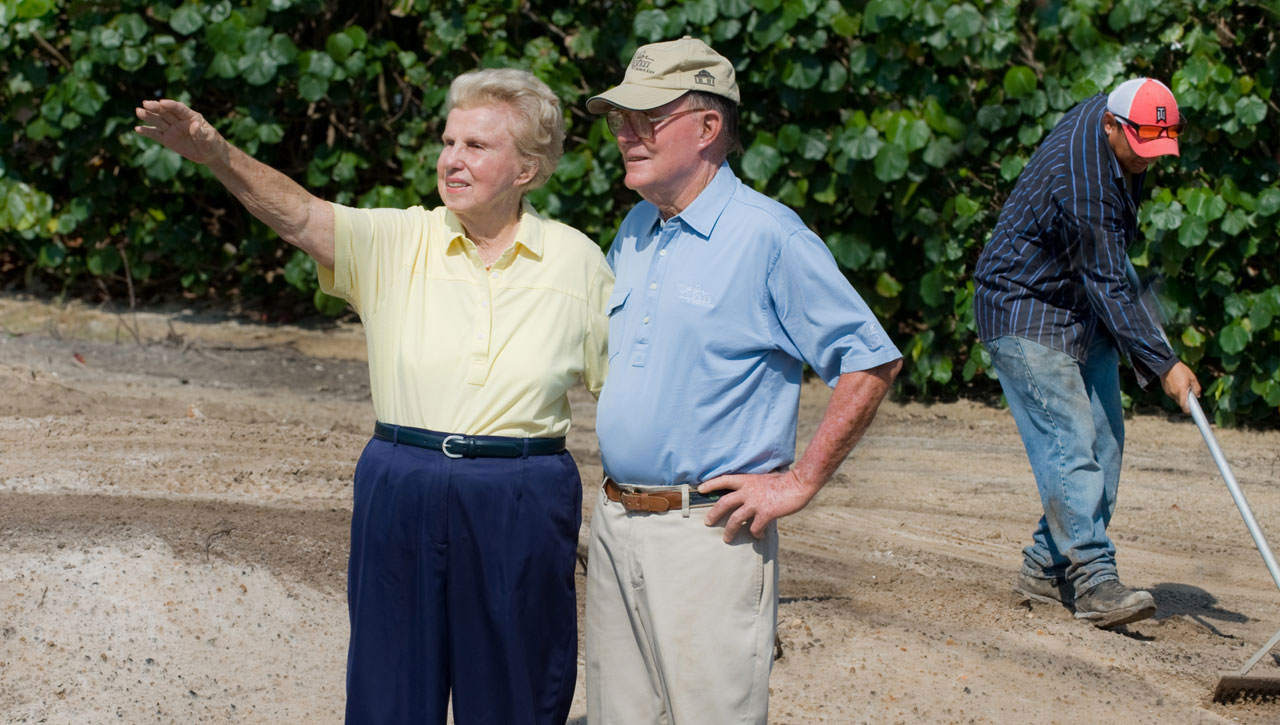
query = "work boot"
x=1111 y=604
x=1048 y=591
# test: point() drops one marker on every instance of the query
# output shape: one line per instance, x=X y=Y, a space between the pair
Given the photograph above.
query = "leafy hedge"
x=896 y=129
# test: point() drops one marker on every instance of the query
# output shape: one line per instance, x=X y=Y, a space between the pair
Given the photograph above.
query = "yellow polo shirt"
x=457 y=348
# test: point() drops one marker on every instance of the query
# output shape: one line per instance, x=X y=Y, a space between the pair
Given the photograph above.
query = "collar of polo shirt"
x=706 y=209
x=528 y=235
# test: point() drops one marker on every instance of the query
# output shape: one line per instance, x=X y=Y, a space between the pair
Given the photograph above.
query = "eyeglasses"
x=642 y=124
x=1151 y=132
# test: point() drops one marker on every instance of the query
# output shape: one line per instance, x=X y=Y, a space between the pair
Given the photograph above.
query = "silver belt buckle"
x=444 y=446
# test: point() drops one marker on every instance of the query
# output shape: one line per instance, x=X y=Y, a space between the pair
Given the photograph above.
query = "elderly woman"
x=479 y=316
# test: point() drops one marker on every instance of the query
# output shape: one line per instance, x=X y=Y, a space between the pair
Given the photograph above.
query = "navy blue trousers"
x=461 y=580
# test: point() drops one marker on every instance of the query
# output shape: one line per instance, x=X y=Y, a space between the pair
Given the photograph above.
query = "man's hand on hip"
x=1177 y=381
x=768 y=496
x=761 y=498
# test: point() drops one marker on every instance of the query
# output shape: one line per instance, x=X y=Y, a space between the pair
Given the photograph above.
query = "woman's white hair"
x=539 y=130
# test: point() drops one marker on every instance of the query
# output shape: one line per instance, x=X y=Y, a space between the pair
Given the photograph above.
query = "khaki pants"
x=680 y=625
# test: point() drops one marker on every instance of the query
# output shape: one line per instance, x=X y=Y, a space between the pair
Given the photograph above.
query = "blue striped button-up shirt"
x=1056 y=266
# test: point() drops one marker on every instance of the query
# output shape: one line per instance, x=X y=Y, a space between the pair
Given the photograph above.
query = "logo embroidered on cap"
x=641 y=62
x=704 y=78
x=1160 y=117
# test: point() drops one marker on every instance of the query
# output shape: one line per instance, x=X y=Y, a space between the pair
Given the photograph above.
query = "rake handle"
x=1245 y=512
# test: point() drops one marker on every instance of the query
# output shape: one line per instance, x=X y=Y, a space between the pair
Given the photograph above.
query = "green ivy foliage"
x=896 y=128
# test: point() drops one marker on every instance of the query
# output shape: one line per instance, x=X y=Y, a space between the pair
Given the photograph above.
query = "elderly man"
x=722 y=296
x=1055 y=307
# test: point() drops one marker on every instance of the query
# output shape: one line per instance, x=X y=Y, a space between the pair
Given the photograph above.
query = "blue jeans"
x=1072 y=425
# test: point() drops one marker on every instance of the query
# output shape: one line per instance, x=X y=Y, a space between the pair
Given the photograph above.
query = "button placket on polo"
x=652 y=291
x=482 y=331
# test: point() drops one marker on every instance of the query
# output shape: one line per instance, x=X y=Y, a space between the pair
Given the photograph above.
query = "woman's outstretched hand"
x=178 y=127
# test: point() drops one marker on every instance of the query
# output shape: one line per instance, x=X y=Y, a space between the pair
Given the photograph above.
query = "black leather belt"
x=460 y=446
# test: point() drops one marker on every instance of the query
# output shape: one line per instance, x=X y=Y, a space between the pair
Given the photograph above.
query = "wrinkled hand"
x=1177 y=381
x=181 y=129
x=758 y=497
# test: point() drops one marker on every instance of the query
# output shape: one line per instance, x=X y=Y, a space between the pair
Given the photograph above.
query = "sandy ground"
x=175 y=499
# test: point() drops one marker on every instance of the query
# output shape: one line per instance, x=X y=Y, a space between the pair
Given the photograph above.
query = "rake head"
x=1233 y=687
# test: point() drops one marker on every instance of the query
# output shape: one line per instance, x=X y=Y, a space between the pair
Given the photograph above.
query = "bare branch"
x=50 y=49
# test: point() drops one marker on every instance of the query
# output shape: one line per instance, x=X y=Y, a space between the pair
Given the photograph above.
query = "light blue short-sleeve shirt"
x=712 y=317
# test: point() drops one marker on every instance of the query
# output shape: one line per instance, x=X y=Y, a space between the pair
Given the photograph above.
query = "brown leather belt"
x=654 y=502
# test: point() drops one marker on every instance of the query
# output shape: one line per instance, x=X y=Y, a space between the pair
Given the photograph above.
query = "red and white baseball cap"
x=1146 y=102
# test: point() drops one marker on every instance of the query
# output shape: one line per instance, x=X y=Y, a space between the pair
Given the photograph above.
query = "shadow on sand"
x=1174 y=600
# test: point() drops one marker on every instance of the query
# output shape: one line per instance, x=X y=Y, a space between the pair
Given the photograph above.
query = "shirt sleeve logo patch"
x=696 y=295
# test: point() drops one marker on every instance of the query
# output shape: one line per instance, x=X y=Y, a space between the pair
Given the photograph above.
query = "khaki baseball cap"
x=659 y=73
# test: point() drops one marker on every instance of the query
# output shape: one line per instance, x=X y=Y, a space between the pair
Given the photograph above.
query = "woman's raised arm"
x=298 y=216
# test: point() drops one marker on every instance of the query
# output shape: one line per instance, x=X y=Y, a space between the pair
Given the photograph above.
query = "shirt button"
x=662 y=252
x=495 y=275
x=653 y=285
x=645 y=320
x=479 y=335
x=484 y=304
